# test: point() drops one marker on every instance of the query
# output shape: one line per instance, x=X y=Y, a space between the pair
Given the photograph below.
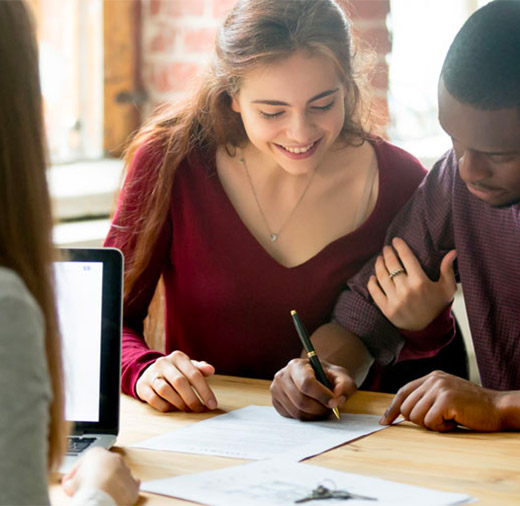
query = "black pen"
x=312 y=355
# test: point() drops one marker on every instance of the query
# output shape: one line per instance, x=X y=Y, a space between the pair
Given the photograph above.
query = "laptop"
x=89 y=285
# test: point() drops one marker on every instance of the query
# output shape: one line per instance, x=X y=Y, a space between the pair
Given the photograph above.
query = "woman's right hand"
x=175 y=382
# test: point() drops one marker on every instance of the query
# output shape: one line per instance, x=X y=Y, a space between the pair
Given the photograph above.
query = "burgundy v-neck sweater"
x=227 y=300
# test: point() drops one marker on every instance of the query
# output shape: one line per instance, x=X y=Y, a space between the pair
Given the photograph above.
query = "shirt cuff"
x=427 y=342
x=92 y=497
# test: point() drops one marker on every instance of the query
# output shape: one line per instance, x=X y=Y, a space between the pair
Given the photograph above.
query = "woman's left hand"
x=103 y=470
x=404 y=293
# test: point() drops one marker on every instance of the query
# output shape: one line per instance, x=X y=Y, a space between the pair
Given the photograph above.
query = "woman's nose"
x=300 y=129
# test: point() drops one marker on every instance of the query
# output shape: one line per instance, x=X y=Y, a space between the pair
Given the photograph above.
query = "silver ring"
x=395 y=273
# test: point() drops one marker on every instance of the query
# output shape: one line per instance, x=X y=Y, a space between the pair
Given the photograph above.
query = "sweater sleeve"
x=25 y=396
x=91 y=497
x=425 y=224
x=135 y=354
x=426 y=343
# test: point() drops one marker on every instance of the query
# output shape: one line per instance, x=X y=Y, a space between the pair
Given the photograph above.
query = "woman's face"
x=293 y=110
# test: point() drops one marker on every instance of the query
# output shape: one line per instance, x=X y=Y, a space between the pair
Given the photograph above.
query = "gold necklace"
x=273 y=236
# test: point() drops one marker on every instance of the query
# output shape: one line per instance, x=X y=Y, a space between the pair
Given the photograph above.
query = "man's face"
x=487 y=146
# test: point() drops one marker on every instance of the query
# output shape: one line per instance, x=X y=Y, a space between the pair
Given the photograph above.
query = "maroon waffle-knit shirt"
x=443 y=215
x=227 y=300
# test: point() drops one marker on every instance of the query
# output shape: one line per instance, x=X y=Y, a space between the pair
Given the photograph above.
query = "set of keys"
x=322 y=492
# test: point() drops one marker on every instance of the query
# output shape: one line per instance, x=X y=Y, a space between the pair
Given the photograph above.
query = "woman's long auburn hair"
x=25 y=209
x=255 y=33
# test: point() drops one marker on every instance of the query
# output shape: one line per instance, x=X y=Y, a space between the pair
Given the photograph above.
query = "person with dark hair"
x=263 y=193
x=469 y=202
x=32 y=419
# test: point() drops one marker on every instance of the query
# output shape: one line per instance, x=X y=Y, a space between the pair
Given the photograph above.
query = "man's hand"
x=296 y=393
x=440 y=402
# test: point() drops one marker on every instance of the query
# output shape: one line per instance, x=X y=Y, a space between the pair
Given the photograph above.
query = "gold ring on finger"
x=395 y=273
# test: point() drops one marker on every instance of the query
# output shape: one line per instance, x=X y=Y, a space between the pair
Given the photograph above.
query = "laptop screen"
x=89 y=297
x=79 y=287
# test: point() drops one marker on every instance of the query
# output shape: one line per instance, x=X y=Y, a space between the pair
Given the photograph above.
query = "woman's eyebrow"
x=280 y=102
x=323 y=94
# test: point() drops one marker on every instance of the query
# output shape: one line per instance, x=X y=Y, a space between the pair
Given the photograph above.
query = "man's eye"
x=506 y=158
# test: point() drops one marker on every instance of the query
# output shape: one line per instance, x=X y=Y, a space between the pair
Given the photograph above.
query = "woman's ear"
x=235 y=104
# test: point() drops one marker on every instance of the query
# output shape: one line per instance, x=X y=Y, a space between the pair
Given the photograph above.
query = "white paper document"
x=259 y=432
x=273 y=483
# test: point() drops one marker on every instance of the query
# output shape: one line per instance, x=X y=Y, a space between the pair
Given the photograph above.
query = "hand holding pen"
x=312 y=356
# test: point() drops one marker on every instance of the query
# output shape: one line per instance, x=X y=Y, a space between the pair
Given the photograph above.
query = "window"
x=422 y=32
x=88 y=57
x=71 y=69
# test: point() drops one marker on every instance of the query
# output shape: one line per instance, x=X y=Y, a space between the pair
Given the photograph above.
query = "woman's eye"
x=268 y=115
x=323 y=107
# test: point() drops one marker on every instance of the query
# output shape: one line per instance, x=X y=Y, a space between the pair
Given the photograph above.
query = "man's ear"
x=235 y=104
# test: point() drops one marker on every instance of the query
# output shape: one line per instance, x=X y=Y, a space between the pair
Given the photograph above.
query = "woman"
x=263 y=193
x=32 y=426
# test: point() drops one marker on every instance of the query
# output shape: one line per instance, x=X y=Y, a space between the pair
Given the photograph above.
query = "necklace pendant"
x=274 y=237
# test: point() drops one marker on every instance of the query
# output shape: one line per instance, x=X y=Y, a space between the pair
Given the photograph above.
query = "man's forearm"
x=508 y=406
x=341 y=347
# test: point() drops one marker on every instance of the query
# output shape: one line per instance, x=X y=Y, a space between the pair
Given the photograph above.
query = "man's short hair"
x=482 y=67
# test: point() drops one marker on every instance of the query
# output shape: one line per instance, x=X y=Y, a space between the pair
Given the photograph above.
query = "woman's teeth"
x=303 y=149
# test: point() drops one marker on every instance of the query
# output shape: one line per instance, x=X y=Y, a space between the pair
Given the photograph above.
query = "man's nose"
x=473 y=167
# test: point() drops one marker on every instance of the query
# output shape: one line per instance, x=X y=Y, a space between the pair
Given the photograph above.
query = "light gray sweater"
x=25 y=395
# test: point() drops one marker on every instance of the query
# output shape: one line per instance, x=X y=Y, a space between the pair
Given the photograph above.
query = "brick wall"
x=369 y=22
x=178 y=37
x=177 y=40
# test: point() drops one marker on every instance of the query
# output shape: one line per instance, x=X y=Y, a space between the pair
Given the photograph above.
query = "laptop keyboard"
x=77 y=444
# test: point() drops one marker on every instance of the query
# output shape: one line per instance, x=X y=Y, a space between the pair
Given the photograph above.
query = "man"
x=469 y=202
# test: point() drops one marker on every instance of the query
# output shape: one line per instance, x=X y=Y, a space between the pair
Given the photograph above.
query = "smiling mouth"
x=298 y=150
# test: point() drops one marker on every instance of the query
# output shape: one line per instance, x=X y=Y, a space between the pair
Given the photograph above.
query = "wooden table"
x=486 y=466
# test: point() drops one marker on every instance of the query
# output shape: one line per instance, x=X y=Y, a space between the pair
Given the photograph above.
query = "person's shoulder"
x=441 y=181
x=20 y=314
x=146 y=155
x=398 y=159
x=13 y=288
x=199 y=164
x=149 y=155
x=444 y=171
x=446 y=163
